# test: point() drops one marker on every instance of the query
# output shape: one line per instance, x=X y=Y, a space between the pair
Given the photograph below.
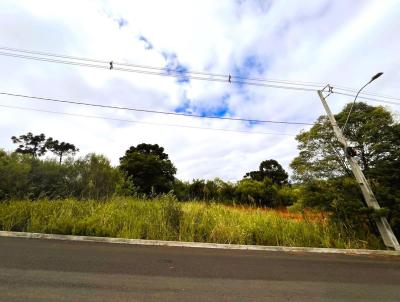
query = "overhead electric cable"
x=367 y=98
x=160 y=68
x=187 y=73
x=160 y=73
x=365 y=93
x=153 y=111
x=178 y=75
x=143 y=122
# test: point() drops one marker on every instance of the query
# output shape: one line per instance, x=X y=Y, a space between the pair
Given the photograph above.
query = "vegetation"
x=90 y=177
x=269 y=169
x=328 y=182
x=163 y=218
x=149 y=168
x=371 y=131
x=37 y=145
x=30 y=144
x=60 y=148
x=98 y=199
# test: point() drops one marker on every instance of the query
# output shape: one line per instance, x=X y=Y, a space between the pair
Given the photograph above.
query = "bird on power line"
x=111 y=65
x=229 y=79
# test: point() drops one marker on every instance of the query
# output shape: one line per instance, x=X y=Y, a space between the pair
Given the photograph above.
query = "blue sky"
x=338 y=42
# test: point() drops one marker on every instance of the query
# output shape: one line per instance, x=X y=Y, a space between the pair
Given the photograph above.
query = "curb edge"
x=197 y=244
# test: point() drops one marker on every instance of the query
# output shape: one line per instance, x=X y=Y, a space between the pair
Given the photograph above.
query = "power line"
x=153 y=111
x=313 y=84
x=367 y=98
x=223 y=77
x=162 y=72
x=365 y=93
x=143 y=122
x=180 y=75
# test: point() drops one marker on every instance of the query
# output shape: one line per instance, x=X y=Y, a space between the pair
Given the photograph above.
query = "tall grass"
x=163 y=218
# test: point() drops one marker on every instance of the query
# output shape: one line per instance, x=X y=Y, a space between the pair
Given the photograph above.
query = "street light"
x=352 y=105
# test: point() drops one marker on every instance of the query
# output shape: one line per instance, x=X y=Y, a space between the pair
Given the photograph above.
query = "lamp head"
x=376 y=76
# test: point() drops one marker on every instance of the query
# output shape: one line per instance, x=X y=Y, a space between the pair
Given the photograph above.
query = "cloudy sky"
x=338 y=42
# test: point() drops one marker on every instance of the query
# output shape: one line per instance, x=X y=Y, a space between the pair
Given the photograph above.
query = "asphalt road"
x=52 y=270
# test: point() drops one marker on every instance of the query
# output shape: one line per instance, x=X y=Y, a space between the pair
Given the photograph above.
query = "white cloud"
x=321 y=41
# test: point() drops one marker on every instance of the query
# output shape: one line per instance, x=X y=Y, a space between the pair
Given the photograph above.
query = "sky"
x=337 y=42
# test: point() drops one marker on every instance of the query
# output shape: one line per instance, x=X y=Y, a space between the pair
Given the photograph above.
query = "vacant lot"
x=164 y=218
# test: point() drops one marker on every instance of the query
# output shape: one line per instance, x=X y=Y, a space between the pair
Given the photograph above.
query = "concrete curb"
x=198 y=244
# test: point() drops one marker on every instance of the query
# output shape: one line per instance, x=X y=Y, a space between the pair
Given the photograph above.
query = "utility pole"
x=384 y=228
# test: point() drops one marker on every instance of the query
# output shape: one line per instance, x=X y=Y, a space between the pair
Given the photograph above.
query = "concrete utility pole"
x=384 y=228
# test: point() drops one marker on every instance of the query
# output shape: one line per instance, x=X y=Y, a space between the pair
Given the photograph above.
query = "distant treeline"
x=93 y=177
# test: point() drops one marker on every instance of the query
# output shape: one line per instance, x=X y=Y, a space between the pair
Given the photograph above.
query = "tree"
x=14 y=172
x=60 y=149
x=370 y=131
x=385 y=180
x=30 y=144
x=149 y=168
x=196 y=189
x=181 y=189
x=271 y=169
x=46 y=179
x=225 y=190
x=200 y=189
x=91 y=177
x=374 y=136
x=95 y=178
x=259 y=193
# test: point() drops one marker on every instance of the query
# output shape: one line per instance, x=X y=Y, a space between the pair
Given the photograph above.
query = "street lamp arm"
x=352 y=105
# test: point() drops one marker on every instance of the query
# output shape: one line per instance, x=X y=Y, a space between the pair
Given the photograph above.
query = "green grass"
x=165 y=219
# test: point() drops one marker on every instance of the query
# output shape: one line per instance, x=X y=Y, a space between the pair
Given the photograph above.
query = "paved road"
x=52 y=270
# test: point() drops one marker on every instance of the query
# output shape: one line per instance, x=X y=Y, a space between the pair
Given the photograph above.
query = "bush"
x=92 y=177
x=95 y=178
x=14 y=172
x=286 y=196
x=342 y=198
x=260 y=193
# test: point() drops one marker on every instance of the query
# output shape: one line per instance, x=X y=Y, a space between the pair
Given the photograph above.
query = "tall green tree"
x=149 y=168
x=34 y=145
x=370 y=131
x=374 y=135
x=270 y=169
x=61 y=149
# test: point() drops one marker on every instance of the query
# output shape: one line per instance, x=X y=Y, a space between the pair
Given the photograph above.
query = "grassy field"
x=164 y=218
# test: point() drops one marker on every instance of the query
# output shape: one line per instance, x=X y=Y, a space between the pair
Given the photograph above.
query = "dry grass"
x=308 y=214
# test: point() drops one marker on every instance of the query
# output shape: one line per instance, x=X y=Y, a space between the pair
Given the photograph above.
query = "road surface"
x=52 y=270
